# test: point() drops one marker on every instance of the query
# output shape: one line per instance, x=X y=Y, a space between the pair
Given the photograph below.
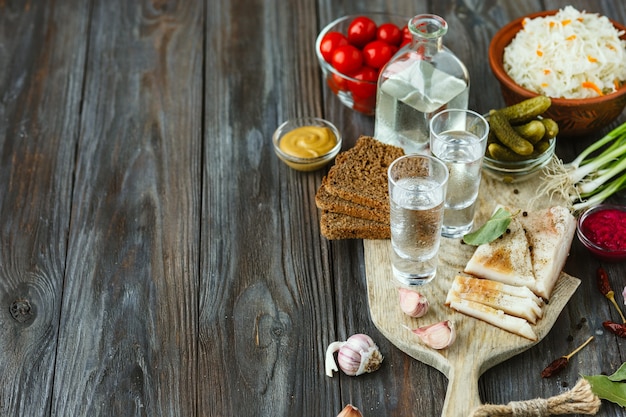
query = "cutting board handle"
x=462 y=395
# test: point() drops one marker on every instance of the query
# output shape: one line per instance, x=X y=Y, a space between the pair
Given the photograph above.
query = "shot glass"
x=459 y=138
x=417 y=189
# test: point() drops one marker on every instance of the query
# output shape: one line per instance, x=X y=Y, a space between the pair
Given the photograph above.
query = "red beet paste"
x=607 y=229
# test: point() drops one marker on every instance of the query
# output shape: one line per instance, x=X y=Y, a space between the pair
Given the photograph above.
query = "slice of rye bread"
x=360 y=173
x=328 y=202
x=336 y=226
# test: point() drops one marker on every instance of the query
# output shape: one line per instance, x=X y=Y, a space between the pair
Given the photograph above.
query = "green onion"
x=594 y=175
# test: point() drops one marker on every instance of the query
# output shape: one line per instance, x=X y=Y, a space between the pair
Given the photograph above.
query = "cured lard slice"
x=506 y=259
x=516 y=272
x=480 y=283
x=493 y=316
x=512 y=300
x=550 y=233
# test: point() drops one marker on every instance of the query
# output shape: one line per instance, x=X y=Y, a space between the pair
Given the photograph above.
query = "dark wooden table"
x=157 y=259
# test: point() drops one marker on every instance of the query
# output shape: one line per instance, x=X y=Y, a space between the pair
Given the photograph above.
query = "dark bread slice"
x=329 y=202
x=335 y=226
x=360 y=173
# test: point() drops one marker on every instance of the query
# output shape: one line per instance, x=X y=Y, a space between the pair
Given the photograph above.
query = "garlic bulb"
x=438 y=336
x=357 y=355
x=413 y=303
x=350 y=411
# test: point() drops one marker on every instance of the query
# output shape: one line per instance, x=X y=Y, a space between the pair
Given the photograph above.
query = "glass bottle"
x=424 y=77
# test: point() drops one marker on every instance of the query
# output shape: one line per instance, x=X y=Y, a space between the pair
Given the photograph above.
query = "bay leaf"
x=612 y=387
x=491 y=230
x=609 y=390
x=620 y=374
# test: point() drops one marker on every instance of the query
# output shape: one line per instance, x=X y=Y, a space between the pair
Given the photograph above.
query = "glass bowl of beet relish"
x=602 y=230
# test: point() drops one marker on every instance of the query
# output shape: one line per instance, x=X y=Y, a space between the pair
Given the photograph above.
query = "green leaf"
x=491 y=230
x=609 y=390
x=612 y=387
x=620 y=374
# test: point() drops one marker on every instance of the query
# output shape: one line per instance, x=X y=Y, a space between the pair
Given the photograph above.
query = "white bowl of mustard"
x=307 y=143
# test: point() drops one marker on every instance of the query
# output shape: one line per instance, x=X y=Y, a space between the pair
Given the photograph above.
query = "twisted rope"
x=579 y=400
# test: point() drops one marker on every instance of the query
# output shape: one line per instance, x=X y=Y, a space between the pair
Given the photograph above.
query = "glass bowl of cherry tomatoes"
x=353 y=49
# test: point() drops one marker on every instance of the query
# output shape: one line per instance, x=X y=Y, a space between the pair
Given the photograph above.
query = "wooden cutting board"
x=478 y=346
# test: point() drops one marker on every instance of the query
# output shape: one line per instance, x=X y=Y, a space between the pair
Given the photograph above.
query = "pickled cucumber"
x=518 y=132
x=508 y=136
x=532 y=131
x=542 y=146
x=526 y=110
x=552 y=128
x=502 y=153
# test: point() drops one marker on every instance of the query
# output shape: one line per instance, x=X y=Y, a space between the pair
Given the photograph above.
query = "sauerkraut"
x=571 y=54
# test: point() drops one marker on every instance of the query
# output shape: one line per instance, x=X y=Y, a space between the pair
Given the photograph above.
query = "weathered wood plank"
x=265 y=309
x=42 y=57
x=152 y=229
x=127 y=342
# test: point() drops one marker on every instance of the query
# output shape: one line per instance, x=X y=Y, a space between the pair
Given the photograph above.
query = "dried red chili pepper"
x=561 y=363
x=555 y=367
x=605 y=288
x=616 y=328
x=603 y=282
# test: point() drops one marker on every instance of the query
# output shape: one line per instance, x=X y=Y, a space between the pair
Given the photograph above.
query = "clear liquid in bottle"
x=422 y=79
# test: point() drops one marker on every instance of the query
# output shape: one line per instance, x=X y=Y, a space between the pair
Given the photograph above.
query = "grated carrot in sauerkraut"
x=571 y=54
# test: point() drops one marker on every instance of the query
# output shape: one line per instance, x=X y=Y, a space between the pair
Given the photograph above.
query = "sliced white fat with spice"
x=520 y=291
x=490 y=293
x=506 y=259
x=550 y=233
x=495 y=317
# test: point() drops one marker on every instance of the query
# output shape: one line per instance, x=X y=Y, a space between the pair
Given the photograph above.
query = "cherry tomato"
x=389 y=33
x=347 y=59
x=330 y=42
x=337 y=83
x=365 y=105
x=406 y=34
x=378 y=53
x=366 y=87
x=407 y=37
x=361 y=31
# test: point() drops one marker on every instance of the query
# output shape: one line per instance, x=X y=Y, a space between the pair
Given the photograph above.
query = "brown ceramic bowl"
x=576 y=117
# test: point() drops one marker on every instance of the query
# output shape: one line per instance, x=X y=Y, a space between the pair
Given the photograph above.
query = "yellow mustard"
x=308 y=141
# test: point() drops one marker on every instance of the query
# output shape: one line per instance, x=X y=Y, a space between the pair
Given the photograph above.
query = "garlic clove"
x=350 y=411
x=330 y=358
x=413 y=303
x=438 y=335
x=357 y=355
